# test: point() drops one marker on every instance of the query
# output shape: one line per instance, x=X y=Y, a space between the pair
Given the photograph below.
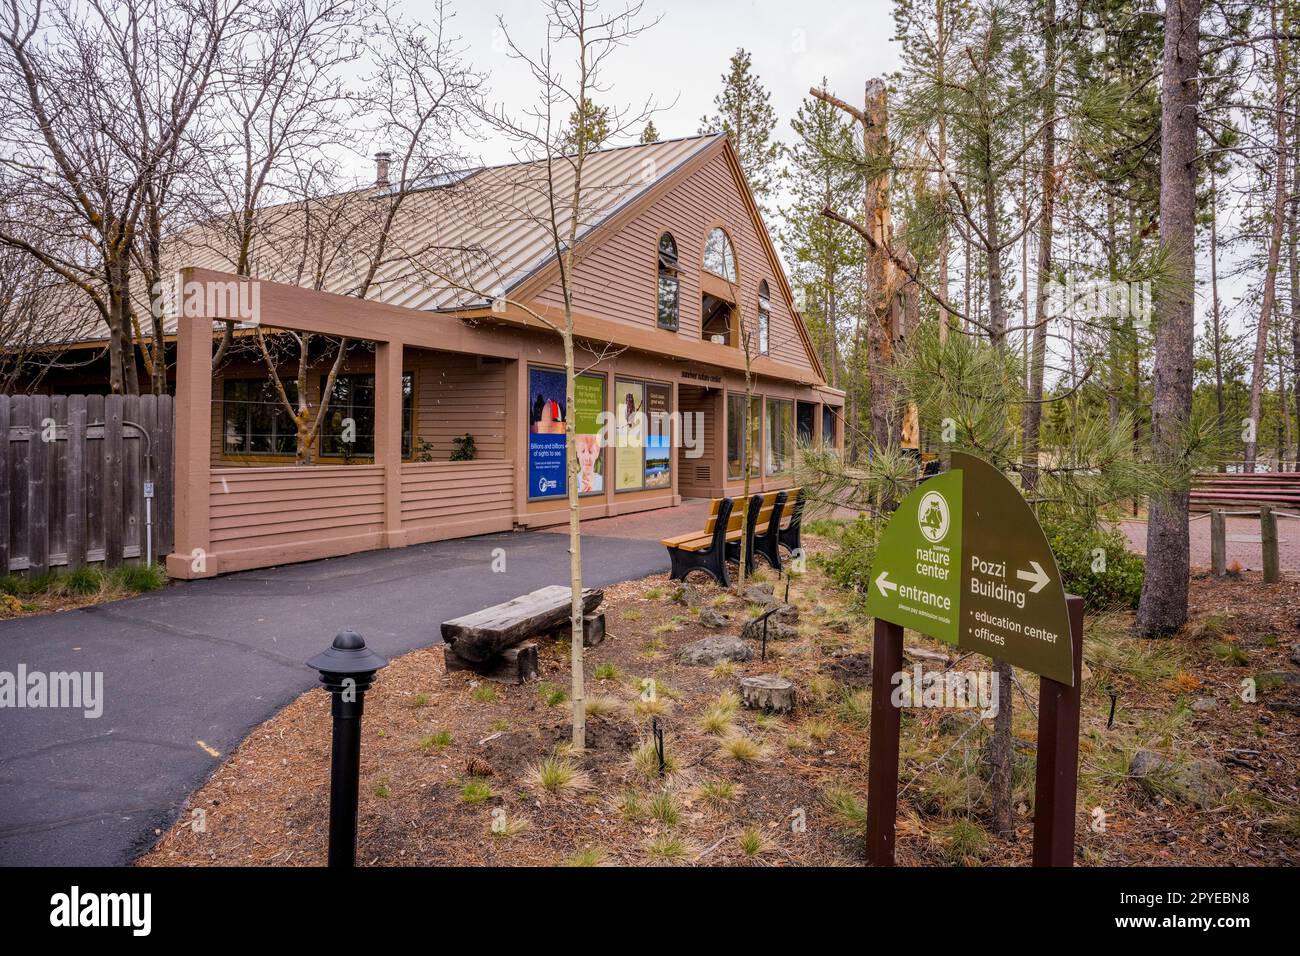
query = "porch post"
x=388 y=436
x=192 y=467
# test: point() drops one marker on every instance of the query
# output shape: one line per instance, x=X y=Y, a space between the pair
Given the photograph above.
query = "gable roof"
x=483 y=229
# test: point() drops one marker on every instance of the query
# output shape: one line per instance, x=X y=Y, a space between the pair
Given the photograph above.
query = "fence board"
x=72 y=475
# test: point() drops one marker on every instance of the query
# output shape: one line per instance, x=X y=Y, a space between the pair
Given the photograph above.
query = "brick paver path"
x=1248 y=554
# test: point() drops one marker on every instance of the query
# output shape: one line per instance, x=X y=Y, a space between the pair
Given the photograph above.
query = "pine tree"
x=743 y=111
x=825 y=255
x=649 y=134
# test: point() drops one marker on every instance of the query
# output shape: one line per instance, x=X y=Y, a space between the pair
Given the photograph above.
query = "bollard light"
x=347 y=669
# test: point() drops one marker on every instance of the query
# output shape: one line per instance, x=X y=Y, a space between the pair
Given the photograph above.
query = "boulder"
x=1201 y=783
x=688 y=595
x=713 y=650
x=759 y=594
x=777 y=630
x=711 y=618
x=1295 y=654
x=1203 y=705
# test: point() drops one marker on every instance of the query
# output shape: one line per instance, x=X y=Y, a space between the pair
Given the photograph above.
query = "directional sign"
x=964 y=560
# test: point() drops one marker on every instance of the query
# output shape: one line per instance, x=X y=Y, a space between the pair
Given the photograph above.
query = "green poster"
x=589 y=399
x=964 y=560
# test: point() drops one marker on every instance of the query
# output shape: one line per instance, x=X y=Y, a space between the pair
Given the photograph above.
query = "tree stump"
x=514 y=665
x=767 y=692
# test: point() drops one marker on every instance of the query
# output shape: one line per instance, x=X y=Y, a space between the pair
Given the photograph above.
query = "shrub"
x=1073 y=542
x=850 y=564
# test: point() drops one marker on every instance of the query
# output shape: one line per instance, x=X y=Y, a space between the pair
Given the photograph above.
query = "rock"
x=1278 y=679
x=712 y=618
x=759 y=594
x=1203 y=705
x=776 y=630
x=819 y=611
x=688 y=595
x=1199 y=782
x=923 y=654
x=1291 y=707
x=767 y=692
x=839 y=626
x=1295 y=654
x=713 y=650
x=786 y=614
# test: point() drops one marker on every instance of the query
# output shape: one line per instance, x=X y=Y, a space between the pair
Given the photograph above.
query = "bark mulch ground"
x=455 y=770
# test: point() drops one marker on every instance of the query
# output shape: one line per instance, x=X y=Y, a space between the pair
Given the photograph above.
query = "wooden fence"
x=74 y=473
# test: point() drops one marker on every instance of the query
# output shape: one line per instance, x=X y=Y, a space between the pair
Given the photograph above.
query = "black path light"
x=347 y=669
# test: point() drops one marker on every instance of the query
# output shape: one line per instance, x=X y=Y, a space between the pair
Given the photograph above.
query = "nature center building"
x=447 y=412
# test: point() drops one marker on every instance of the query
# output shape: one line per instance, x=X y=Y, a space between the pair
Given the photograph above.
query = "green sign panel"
x=964 y=560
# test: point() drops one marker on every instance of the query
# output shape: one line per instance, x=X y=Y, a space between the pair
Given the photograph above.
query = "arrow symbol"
x=1038 y=576
x=885 y=585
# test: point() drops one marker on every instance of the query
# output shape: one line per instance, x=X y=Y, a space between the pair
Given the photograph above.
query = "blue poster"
x=546 y=444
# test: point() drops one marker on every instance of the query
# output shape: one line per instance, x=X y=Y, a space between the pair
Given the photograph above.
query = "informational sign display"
x=964 y=560
x=658 y=437
x=548 y=417
x=629 y=419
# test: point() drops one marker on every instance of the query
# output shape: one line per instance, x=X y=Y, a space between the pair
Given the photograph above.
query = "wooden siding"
x=697 y=477
x=618 y=278
x=443 y=499
x=455 y=394
x=262 y=516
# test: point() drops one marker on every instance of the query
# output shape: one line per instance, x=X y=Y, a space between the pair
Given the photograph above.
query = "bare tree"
x=95 y=99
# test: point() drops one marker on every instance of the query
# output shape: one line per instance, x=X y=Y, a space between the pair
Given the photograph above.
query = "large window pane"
x=352 y=400
x=780 y=436
x=254 y=420
x=735 y=432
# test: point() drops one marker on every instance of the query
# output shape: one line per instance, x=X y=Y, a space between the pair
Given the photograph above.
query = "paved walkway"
x=1247 y=553
x=201 y=663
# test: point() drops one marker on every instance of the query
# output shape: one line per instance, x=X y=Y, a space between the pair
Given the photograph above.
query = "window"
x=255 y=421
x=828 y=426
x=735 y=434
x=764 y=316
x=351 y=414
x=719 y=258
x=669 y=284
x=780 y=436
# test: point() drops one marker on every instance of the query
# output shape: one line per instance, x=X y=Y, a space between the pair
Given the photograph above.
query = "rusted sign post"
x=964 y=560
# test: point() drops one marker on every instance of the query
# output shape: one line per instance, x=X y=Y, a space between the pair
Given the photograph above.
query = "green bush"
x=1119 y=585
x=850 y=565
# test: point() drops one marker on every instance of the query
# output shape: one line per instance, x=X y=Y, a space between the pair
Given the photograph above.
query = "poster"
x=547 y=474
x=659 y=435
x=629 y=417
x=589 y=396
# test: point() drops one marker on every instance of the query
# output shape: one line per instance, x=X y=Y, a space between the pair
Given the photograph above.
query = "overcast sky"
x=680 y=62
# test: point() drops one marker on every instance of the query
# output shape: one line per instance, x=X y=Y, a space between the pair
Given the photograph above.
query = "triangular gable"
x=616 y=276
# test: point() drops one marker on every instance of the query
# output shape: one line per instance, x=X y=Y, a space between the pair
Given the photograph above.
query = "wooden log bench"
x=705 y=550
x=499 y=642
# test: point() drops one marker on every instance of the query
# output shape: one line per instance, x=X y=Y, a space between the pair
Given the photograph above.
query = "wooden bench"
x=705 y=550
x=791 y=535
x=764 y=512
x=496 y=641
x=1234 y=490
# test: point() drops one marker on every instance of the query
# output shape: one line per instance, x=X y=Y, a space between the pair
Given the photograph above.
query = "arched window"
x=764 y=316
x=719 y=257
x=669 y=284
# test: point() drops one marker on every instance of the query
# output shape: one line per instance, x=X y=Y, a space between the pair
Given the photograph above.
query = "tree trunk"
x=1163 y=605
x=880 y=346
x=1215 y=316
x=1258 y=369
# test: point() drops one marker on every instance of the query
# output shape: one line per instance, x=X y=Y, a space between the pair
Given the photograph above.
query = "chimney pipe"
x=382 y=162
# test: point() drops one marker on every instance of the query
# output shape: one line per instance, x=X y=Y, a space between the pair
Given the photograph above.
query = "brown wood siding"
x=618 y=279
x=439 y=495
x=455 y=394
x=696 y=477
x=283 y=508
